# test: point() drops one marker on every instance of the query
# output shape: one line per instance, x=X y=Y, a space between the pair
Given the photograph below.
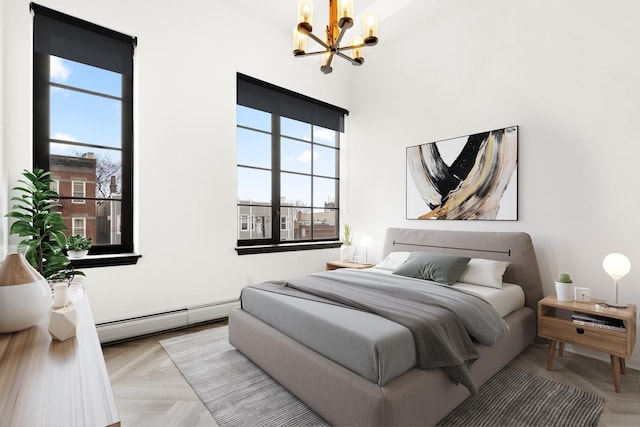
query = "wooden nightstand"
x=555 y=323
x=334 y=265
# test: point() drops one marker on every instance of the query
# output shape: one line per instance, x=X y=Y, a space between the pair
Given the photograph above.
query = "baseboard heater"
x=180 y=318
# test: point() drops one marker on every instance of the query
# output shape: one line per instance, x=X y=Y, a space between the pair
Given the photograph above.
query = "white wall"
x=186 y=62
x=566 y=72
x=3 y=173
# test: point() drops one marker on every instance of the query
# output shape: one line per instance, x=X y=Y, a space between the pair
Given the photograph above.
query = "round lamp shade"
x=616 y=265
x=25 y=296
x=366 y=242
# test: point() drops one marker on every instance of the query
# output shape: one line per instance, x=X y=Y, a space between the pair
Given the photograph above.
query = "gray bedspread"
x=442 y=320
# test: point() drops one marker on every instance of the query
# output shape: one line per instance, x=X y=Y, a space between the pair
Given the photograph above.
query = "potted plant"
x=564 y=287
x=347 y=249
x=43 y=228
x=78 y=246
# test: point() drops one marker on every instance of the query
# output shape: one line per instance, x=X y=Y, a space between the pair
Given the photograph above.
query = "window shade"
x=61 y=35
x=254 y=93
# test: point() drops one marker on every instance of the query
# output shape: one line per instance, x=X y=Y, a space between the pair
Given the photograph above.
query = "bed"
x=391 y=394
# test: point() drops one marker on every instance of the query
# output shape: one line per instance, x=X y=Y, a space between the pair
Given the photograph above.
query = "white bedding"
x=505 y=300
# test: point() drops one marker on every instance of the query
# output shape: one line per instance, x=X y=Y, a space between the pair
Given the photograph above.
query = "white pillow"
x=484 y=272
x=393 y=260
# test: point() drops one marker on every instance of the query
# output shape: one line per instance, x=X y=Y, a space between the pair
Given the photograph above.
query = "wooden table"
x=555 y=323
x=334 y=265
x=44 y=382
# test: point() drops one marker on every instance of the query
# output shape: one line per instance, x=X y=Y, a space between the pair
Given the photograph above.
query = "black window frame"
x=281 y=102
x=100 y=47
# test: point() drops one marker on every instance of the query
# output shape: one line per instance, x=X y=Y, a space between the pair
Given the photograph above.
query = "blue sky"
x=77 y=116
x=297 y=155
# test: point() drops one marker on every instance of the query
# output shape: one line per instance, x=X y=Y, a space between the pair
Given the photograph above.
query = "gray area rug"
x=516 y=398
x=238 y=393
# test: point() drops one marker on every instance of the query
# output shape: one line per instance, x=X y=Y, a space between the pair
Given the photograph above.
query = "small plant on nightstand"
x=564 y=287
x=347 y=249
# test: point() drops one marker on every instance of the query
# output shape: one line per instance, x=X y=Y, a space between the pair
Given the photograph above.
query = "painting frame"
x=471 y=177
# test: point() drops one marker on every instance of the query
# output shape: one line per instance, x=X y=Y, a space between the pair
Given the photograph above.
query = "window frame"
x=99 y=255
x=81 y=199
x=280 y=102
x=74 y=229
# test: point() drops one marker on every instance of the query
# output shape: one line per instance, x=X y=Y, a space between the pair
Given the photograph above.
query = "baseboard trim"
x=125 y=329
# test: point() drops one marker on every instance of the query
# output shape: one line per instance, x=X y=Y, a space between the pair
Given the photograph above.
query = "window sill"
x=111 y=260
x=290 y=247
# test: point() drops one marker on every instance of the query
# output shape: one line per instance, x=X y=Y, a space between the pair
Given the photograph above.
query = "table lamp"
x=617 y=266
x=366 y=242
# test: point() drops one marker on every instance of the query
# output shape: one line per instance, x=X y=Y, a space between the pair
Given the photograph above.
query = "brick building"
x=75 y=181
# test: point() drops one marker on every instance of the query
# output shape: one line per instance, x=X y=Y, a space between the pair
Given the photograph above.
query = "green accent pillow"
x=441 y=268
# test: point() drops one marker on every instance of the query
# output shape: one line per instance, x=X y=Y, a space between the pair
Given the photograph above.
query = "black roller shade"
x=61 y=35
x=264 y=96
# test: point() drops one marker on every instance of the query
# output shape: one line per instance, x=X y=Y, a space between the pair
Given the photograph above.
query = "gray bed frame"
x=417 y=397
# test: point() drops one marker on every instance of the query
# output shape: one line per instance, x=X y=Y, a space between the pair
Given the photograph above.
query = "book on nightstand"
x=598 y=321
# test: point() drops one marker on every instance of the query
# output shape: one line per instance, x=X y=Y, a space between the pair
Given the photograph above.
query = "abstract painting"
x=465 y=178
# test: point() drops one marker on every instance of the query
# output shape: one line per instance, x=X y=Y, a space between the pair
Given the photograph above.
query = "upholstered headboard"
x=513 y=247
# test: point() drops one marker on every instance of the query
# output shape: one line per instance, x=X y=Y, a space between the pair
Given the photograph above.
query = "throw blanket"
x=443 y=320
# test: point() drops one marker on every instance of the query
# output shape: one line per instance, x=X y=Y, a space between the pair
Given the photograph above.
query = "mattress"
x=371 y=346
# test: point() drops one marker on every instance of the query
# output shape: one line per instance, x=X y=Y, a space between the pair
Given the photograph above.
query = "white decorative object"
x=564 y=291
x=564 y=287
x=582 y=294
x=77 y=254
x=346 y=253
x=60 y=294
x=617 y=266
x=25 y=296
x=62 y=325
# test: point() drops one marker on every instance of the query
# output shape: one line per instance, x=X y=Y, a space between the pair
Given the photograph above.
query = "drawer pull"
x=580 y=331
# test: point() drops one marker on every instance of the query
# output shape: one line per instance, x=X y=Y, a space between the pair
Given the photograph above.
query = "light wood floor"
x=150 y=391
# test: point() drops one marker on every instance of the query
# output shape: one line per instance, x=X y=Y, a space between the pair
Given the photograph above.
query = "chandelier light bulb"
x=346 y=8
x=305 y=15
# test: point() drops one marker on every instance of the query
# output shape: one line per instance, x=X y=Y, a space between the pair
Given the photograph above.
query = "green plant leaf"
x=34 y=218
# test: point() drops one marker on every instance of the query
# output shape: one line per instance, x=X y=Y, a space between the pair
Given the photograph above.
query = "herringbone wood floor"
x=150 y=391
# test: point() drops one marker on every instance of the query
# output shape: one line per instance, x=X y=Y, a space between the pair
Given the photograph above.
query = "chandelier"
x=340 y=20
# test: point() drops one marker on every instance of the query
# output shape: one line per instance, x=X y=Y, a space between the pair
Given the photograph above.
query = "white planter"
x=346 y=253
x=564 y=291
x=77 y=254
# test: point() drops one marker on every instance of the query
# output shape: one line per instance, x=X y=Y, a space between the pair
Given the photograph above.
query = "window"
x=288 y=152
x=83 y=125
x=79 y=226
x=55 y=186
x=244 y=223
x=78 y=192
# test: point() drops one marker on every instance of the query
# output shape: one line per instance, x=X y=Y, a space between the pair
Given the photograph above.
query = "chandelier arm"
x=348 y=58
x=318 y=40
x=317 y=52
x=353 y=46
x=336 y=44
x=330 y=58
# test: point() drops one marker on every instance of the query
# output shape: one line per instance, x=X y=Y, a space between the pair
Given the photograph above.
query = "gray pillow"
x=441 y=268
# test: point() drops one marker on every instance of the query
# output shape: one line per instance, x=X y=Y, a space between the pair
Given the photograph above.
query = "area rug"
x=238 y=393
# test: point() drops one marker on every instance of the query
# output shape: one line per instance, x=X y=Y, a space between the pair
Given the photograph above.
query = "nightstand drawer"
x=611 y=342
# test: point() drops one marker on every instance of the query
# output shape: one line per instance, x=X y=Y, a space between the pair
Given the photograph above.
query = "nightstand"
x=334 y=265
x=555 y=323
